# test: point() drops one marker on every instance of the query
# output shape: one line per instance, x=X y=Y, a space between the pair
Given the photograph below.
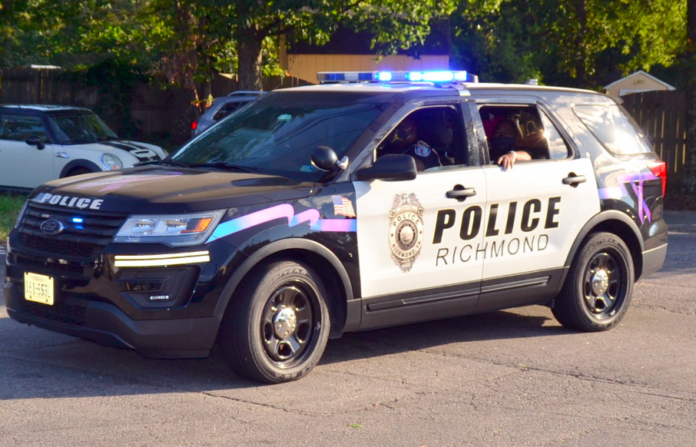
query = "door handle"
x=460 y=193
x=574 y=180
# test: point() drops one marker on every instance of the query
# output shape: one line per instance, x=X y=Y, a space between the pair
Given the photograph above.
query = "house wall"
x=639 y=83
x=306 y=66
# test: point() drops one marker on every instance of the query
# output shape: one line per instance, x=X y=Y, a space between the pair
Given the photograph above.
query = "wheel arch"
x=617 y=223
x=316 y=256
x=77 y=164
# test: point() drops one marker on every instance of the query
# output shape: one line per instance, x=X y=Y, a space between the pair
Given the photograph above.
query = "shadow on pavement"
x=47 y=365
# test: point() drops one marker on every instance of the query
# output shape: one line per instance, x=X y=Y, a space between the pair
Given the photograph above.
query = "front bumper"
x=95 y=298
x=107 y=325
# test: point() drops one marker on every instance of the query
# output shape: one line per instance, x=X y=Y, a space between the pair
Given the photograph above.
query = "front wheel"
x=276 y=329
x=599 y=286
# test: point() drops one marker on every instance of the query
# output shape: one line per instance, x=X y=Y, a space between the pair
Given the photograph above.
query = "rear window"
x=612 y=126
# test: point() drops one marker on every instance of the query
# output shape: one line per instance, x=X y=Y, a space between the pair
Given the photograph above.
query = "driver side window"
x=433 y=136
x=21 y=127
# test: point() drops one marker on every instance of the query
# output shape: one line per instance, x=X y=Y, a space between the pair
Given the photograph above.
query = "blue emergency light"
x=438 y=76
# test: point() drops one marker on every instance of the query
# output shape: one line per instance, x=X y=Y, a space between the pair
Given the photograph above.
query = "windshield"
x=278 y=134
x=80 y=128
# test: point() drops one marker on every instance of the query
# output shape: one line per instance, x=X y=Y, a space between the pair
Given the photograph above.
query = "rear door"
x=536 y=209
x=22 y=165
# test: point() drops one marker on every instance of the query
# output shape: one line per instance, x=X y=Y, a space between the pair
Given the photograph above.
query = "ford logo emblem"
x=52 y=227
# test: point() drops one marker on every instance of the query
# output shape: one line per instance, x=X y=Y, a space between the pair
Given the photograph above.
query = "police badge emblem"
x=405 y=230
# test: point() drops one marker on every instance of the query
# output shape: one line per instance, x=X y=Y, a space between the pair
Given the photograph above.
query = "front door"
x=22 y=165
x=419 y=241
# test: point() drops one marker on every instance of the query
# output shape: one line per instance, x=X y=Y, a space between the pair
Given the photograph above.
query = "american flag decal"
x=343 y=206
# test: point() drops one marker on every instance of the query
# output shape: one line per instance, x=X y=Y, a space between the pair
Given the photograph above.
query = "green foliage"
x=394 y=23
x=10 y=206
x=583 y=43
x=116 y=82
x=570 y=42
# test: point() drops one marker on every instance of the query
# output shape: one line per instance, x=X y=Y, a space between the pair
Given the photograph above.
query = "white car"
x=40 y=143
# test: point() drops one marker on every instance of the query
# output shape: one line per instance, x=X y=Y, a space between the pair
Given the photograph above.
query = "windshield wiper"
x=79 y=141
x=168 y=163
x=224 y=166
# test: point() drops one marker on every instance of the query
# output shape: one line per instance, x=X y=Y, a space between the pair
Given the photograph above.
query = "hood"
x=141 y=151
x=163 y=190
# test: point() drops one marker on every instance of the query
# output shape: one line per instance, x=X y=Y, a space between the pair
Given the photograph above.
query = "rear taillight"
x=659 y=170
x=194 y=125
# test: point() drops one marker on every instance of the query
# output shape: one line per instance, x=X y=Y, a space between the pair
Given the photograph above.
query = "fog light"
x=143 y=286
x=159 y=298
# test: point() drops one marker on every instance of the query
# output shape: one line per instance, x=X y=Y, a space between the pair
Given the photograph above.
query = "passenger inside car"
x=516 y=131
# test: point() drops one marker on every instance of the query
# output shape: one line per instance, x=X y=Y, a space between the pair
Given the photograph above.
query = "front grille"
x=72 y=269
x=59 y=312
x=78 y=239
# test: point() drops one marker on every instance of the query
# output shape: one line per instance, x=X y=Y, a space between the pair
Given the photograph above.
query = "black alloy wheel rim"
x=290 y=323
x=602 y=286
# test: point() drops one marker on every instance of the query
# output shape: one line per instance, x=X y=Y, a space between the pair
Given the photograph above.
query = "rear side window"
x=522 y=128
x=613 y=128
x=21 y=127
x=227 y=109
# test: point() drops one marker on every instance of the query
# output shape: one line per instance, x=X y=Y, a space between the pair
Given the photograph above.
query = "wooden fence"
x=159 y=115
x=164 y=116
x=662 y=116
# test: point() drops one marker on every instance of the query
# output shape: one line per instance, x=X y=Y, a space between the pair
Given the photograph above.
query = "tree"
x=689 y=178
x=395 y=23
x=565 y=41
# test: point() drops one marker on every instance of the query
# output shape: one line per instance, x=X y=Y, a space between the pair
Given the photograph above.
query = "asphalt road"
x=508 y=378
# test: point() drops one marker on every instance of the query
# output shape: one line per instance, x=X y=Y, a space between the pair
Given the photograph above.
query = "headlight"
x=174 y=230
x=19 y=216
x=111 y=162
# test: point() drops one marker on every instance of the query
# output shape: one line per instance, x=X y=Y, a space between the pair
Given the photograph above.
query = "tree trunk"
x=689 y=177
x=581 y=59
x=250 y=61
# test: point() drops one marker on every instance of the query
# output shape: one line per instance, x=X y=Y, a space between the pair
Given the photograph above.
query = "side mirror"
x=389 y=167
x=35 y=141
x=325 y=158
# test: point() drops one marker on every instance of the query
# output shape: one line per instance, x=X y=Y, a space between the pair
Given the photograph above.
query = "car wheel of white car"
x=77 y=171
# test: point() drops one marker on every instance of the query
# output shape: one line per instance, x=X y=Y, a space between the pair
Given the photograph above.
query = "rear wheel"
x=599 y=286
x=276 y=329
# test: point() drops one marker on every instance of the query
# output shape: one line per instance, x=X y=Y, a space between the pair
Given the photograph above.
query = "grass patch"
x=10 y=206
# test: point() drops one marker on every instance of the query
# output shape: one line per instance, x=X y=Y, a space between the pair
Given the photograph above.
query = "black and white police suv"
x=369 y=201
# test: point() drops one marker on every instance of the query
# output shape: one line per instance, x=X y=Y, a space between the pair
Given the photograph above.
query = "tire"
x=277 y=328
x=78 y=171
x=599 y=286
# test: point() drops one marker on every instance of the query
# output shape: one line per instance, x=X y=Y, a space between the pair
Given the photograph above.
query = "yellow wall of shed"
x=306 y=66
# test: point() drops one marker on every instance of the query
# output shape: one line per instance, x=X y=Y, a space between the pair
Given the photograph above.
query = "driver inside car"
x=405 y=140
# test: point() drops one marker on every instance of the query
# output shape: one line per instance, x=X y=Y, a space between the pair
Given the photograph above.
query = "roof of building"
x=637 y=73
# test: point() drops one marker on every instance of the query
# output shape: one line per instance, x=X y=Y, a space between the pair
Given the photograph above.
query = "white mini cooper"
x=39 y=143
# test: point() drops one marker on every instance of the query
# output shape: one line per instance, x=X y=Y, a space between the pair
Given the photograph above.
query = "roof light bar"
x=396 y=76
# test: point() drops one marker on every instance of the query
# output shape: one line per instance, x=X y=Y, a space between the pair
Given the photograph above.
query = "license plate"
x=38 y=288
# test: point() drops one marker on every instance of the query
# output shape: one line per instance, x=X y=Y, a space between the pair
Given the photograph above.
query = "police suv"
x=315 y=212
